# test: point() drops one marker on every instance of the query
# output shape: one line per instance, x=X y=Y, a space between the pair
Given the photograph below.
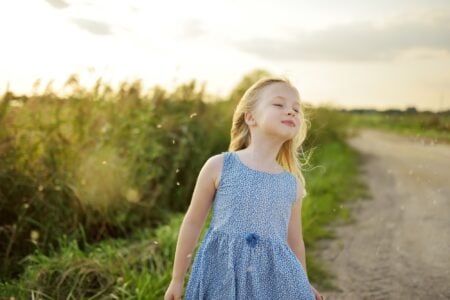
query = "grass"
x=334 y=183
x=134 y=268
x=433 y=127
x=111 y=256
x=98 y=165
x=87 y=184
x=140 y=266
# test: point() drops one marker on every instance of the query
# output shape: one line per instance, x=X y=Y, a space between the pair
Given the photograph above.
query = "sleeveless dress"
x=244 y=253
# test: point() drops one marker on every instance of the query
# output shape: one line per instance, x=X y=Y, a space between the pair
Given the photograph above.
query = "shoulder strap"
x=226 y=158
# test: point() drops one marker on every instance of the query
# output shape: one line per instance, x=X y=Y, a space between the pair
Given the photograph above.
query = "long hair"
x=288 y=156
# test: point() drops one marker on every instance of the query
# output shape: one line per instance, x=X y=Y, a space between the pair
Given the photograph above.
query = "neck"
x=263 y=151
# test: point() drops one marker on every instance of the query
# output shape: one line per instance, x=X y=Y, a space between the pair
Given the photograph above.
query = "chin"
x=282 y=133
x=287 y=136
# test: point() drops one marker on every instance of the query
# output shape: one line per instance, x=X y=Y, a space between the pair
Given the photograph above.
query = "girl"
x=253 y=248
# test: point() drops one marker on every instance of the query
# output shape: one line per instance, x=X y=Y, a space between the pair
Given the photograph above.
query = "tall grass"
x=101 y=161
x=119 y=167
x=139 y=267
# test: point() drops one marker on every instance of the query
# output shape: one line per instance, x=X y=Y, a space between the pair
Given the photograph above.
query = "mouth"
x=289 y=123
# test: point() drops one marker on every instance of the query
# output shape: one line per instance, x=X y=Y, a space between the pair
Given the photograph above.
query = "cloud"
x=191 y=29
x=59 y=4
x=363 y=41
x=94 y=27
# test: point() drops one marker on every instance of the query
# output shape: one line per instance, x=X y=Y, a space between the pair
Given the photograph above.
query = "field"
x=93 y=185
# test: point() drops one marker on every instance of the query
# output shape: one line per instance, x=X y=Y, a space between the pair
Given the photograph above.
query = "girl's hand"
x=316 y=294
x=174 y=290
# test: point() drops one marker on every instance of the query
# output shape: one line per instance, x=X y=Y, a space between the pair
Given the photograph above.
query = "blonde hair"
x=240 y=132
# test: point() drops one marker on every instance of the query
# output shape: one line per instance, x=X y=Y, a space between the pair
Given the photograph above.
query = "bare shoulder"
x=204 y=190
x=214 y=166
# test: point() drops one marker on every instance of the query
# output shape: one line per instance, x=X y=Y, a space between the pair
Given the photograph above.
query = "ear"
x=249 y=119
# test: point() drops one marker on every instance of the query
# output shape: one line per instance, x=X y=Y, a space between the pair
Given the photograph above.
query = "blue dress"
x=244 y=253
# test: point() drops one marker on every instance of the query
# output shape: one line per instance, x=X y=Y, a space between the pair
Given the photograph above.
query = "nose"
x=292 y=112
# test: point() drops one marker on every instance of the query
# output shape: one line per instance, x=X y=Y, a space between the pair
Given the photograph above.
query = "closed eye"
x=281 y=105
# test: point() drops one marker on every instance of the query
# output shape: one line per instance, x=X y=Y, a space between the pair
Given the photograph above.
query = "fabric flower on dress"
x=252 y=239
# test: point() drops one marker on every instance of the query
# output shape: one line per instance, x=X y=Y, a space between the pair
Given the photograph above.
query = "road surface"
x=399 y=247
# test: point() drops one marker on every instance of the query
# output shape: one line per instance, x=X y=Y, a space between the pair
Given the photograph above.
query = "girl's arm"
x=195 y=217
x=295 y=232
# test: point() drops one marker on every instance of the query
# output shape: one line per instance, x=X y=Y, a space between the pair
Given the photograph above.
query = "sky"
x=349 y=53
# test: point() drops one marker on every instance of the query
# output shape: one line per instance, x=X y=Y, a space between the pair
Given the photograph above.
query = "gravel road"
x=399 y=246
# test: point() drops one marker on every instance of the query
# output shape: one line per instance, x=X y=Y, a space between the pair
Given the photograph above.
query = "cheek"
x=276 y=112
x=272 y=116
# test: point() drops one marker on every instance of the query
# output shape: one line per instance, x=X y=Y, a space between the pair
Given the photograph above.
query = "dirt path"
x=399 y=247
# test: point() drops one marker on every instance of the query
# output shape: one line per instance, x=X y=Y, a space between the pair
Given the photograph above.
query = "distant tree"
x=411 y=110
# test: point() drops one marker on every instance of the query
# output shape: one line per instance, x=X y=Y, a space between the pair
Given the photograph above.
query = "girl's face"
x=277 y=111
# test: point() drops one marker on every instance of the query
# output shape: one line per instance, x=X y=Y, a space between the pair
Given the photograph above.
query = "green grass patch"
x=135 y=268
x=431 y=126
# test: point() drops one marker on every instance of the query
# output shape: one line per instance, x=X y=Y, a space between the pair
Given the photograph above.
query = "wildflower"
x=34 y=236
